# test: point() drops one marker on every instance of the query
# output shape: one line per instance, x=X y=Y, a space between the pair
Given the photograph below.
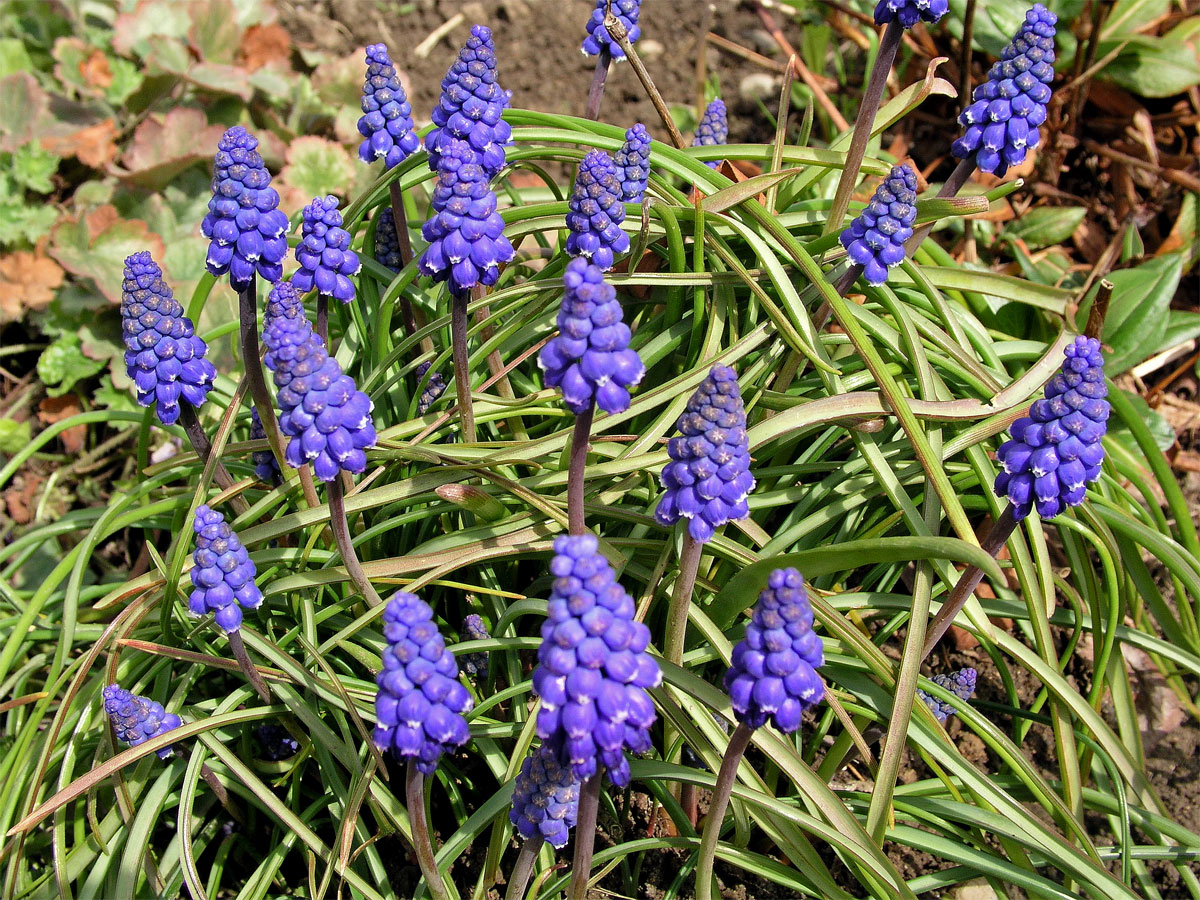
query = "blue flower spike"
x=590 y=359
x=266 y=466
x=713 y=129
x=247 y=231
x=470 y=107
x=1002 y=122
x=387 y=244
x=593 y=670
x=138 y=719
x=434 y=388
x=222 y=572
x=773 y=673
x=708 y=477
x=633 y=164
x=909 y=12
x=960 y=682
x=474 y=629
x=875 y=239
x=326 y=260
x=545 y=798
x=387 y=122
x=163 y=356
x=420 y=704
x=275 y=742
x=627 y=11
x=596 y=211
x=1056 y=452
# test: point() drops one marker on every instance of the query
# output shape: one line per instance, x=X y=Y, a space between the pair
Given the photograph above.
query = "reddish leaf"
x=55 y=409
x=163 y=146
x=265 y=44
x=95 y=245
x=25 y=106
x=96 y=70
x=28 y=281
x=93 y=145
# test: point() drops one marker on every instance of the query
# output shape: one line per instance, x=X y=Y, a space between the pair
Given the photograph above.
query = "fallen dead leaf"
x=19 y=497
x=96 y=70
x=28 y=280
x=94 y=146
x=265 y=44
x=55 y=409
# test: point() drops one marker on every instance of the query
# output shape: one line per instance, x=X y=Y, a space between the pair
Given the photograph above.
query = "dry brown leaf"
x=94 y=146
x=96 y=70
x=19 y=497
x=55 y=409
x=265 y=44
x=28 y=280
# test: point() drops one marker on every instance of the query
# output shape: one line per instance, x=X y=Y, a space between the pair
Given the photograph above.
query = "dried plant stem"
x=238 y=646
x=996 y=538
x=585 y=836
x=203 y=447
x=406 y=254
x=681 y=599
x=576 y=523
x=341 y=536
x=518 y=879
x=960 y=176
x=415 y=795
x=617 y=32
x=596 y=94
x=1099 y=310
x=462 y=377
x=872 y=95
x=734 y=751
x=964 y=60
x=221 y=793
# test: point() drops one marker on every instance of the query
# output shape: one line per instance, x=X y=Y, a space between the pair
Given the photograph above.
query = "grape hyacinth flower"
x=713 y=128
x=247 y=231
x=387 y=245
x=773 y=673
x=434 y=388
x=960 y=682
x=275 y=742
x=163 y=356
x=909 y=12
x=326 y=260
x=420 y=704
x=1002 y=122
x=138 y=719
x=266 y=466
x=633 y=164
x=1055 y=451
x=597 y=211
x=708 y=478
x=875 y=239
x=283 y=326
x=473 y=629
x=466 y=235
x=590 y=358
x=222 y=572
x=545 y=799
x=593 y=670
x=627 y=12
x=470 y=107
x=387 y=122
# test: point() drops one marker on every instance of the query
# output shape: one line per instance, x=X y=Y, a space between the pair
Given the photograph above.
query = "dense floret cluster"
x=266 y=466
x=473 y=629
x=387 y=244
x=434 y=388
x=633 y=164
x=960 y=682
x=713 y=128
x=875 y=239
x=627 y=12
x=470 y=107
x=138 y=719
x=222 y=572
x=909 y=12
x=326 y=260
x=596 y=211
x=275 y=742
x=545 y=799
x=387 y=122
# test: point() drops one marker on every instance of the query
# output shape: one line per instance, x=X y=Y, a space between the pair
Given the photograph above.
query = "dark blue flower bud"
x=875 y=240
x=434 y=388
x=713 y=128
x=163 y=356
x=473 y=629
x=420 y=705
x=248 y=232
x=593 y=670
x=470 y=107
x=266 y=467
x=708 y=477
x=1002 y=122
x=275 y=742
x=909 y=12
x=287 y=324
x=1055 y=452
x=387 y=245
x=387 y=122
x=222 y=572
x=138 y=719
x=597 y=211
x=773 y=673
x=627 y=11
x=326 y=260
x=633 y=164
x=960 y=682
x=545 y=799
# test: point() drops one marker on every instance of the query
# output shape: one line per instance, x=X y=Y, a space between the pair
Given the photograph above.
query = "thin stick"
x=400 y=218
x=617 y=32
x=462 y=378
x=518 y=880
x=341 y=536
x=414 y=786
x=585 y=836
x=960 y=176
x=203 y=447
x=596 y=94
x=805 y=73
x=734 y=751
x=1099 y=310
x=575 y=470
x=681 y=599
x=863 y=124
x=238 y=646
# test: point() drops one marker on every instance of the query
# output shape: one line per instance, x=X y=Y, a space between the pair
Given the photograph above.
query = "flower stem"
x=734 y=751
x=596 y=94
x=203 y=448
x=681 y=599
x=996 y=538
x=323 y=319
x=585 y=836
x=238 y=646
x=406 y=254
x=518 y=880
x=960 y=176
x=248 y=331
x=341 y=536
x=415 y=795
x=575 y=473
x=618 y=33
x=872 y=95
x=462 y=377
x=824 y=311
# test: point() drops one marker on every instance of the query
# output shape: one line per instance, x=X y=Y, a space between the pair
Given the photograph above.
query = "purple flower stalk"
x=875 y=239
x=473 y=629
x=1055 y=451
x=773 y=674
x=633 y=164
x=387 y=122
x=960 y=682
x=326 y=260
x=275 y=743
x=590 y=358
x=163 y=356
x=434 y=388
x=545 y=799
x=597 y=211
x=247 y=231
x=909 y=12
x=708 y=477
x=593 y=670
x=266 y=466
x=627 y=11
x=138 y=719
x=465 y=233
x=470 y=107
x=713 y=128
x=387 y=245
x=1002 y=121
x=222 y=572
x=420 y=703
